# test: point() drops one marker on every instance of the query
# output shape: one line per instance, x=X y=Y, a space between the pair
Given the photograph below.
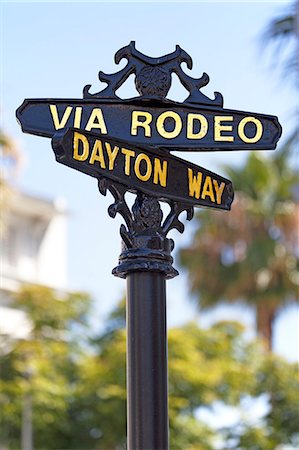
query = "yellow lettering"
x=218 y=190
x=97 y=154
x=218 y=128
x=160 y=172
x=78 y=137
x=141 y=123
x=142 y=157
x=78 y=115
x=96 y=120
x=194 y=183
x=190 y=126
x=111 y=154
x=177 y=125
x=128 y=154
x=60 y=124
x=258 y=132
x=207 y=190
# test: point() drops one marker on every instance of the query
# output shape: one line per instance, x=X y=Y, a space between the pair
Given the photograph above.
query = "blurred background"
x=232 y=312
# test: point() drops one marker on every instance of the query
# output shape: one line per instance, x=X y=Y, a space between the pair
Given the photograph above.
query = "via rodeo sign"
x=129 y=141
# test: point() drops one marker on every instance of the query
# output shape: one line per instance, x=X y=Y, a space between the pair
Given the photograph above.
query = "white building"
x=33 y=251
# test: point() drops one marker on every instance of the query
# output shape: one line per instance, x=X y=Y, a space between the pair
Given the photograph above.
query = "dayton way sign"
x=142 y=169
x=126 y=145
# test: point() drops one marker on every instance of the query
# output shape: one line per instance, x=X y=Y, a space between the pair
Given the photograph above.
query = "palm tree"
x=283 y=34
x=284 y=31
x=251 y=253
x=11 y=158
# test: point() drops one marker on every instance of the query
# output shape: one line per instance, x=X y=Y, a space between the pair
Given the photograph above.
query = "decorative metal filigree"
x=145 y=245
x=153 y=77
x=146 y=216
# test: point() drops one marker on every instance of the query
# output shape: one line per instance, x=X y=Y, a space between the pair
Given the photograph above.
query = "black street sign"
x=142 y=169
x=166 y=124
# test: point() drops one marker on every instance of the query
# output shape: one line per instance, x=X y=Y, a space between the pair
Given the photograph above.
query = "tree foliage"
x=78 y=393
x=10 y=160
x=283 y=34
x=251 y=253
x=42 y=366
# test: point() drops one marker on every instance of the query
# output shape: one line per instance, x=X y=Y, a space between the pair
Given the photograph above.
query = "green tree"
x=249 y=254
x=276 y=382
x=78 y=386
x=42 y=367
x=217 y=366
x=283 y=32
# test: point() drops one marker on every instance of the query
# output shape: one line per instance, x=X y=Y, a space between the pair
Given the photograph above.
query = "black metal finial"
x=153 y=77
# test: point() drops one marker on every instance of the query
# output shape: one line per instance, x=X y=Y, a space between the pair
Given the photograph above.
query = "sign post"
x=126 y=145
x=147 y=393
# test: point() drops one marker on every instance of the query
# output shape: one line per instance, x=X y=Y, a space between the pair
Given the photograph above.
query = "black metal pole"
x=146 y=263
x=147 y=395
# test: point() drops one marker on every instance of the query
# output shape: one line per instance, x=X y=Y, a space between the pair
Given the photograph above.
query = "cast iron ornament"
x=153 y=77
x=145 y=246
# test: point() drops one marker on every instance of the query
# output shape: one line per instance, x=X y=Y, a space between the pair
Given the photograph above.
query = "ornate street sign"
x=150 y=171
x=197 y=124
x=125 y=145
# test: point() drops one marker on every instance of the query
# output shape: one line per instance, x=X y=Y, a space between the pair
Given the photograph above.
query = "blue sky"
x=53 y=49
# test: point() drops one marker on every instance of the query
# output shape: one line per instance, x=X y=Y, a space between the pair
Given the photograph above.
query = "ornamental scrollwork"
x=153 y=77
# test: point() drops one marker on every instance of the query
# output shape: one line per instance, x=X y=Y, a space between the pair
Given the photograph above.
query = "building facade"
x=33 y=251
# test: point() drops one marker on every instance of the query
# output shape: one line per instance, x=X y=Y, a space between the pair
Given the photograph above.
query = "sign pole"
x=146 y=263
x=147 y=394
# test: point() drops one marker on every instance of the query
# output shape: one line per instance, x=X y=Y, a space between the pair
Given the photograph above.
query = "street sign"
x=165 y=125
x=197 y=124
x=126 y=145
x=142 y=169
